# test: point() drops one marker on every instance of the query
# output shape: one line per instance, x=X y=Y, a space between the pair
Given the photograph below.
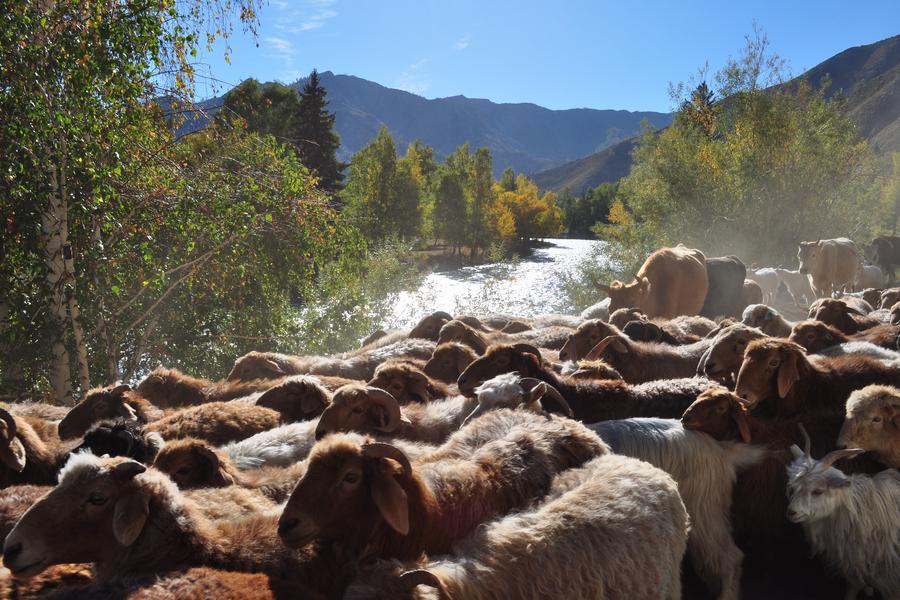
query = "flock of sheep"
x=600 y=456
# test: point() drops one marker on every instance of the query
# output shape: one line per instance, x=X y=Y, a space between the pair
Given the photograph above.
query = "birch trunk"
x=55 y=228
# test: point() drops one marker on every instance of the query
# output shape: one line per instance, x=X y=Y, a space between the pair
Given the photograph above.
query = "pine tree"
x=317 y=141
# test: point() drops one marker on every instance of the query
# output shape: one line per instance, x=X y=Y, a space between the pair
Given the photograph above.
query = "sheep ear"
x=210 y=456
x=120 y=389
x=390 y=499
x=740 y=417
x=311 y=404
x=797 y=452
x=788 y=373
x=130 y=516
x=12 y=453
x=893 y=415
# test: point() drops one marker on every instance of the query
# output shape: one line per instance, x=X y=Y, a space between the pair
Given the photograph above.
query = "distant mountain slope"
x=867 y=76
x=526 y=137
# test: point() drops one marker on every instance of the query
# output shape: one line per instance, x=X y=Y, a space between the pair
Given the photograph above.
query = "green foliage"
x=316 y=139
x=582 y=213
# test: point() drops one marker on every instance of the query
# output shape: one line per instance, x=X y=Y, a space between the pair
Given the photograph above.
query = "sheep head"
x=448 y=361
x=623 y=316
x=889 y=297
x=770 y=370
x=298 y=398
x=872 y=422
x=360 y=408
x=457 y=331
x=813 y=485
x=724 y=357
x=473 y=322
x=193 y=463
x=815 y=336
x=98 y=508
x=97 y=405
x=647 y=331
x=430 y=326
x=524 y=359
x=122 y=438
x=762 y=317
x=405 y=381
x=12 y=452
x=257 y=365
x=586 y=336
x=348 y=487
x=836 y=313
x=511 y=391
x=718 y=413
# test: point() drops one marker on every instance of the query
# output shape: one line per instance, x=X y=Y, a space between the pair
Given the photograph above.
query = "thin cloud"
x=414 y=78
x=462 y=43
x=285 y=51
x=304 y=16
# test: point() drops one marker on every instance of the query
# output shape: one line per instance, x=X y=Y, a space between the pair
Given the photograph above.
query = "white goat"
x=852 y=520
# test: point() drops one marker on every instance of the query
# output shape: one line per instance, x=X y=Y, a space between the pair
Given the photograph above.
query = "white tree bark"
x=54 y=224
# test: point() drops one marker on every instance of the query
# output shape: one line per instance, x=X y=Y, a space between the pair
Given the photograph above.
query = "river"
x=525 y=287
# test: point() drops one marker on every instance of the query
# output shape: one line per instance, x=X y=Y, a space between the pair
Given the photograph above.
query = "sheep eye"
x=876 y=419
x=183 y=471
x=818 y=492
x=351 y=478
x=97 y=499
x=773 y=363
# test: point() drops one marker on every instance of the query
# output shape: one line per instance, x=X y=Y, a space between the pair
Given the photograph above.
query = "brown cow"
x=672 y=282
x=830 y=264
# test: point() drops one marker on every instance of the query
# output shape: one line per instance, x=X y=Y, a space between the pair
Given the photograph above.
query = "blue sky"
x=560 y=54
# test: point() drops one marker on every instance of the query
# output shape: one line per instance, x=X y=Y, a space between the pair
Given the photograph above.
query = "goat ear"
x=130 y=516
x=390 y=498
x=788 y=373
x=12 y=454
x=739 y=414
x=797 y=452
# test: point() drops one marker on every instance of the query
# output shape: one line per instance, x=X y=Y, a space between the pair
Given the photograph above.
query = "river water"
x=525 y=287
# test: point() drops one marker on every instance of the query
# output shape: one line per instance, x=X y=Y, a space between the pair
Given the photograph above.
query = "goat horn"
x=411 y=579
x=561 y=403
x=807 y=443
x=382 y=450
x=389 y=403
x=10 y=423
x=834 y=456
x=529 y=349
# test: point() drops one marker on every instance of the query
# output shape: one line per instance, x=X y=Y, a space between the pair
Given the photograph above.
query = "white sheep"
x=767 y=319
x=852 y=520
x=767 y=279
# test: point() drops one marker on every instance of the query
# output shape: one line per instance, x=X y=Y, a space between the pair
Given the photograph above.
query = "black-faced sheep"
x=122 y=438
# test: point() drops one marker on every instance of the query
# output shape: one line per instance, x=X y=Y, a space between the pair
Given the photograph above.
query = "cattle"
x=884 y=251
x=830 y=264
x=726 y=282
x=671 y=282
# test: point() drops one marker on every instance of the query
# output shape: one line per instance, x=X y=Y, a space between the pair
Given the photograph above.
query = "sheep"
x=448 y=361
x=723 y=358
x=591 y=400
x=819 y=338
x=359 y=365
x=704 y=469
x=14 y=501
x=640 y=362
x=779 y=373
x=766 y=279
x=889 y=297
x=621 y=317
x=590 y=539
x=551 y=338
x=39 y=410
x=872 y=422
x=759 y=497
x=200 y=582
x=170 y=388
x=408 y=383
x=855 y=303
x=600 y=310
x=57 y=582
x=130 y=520
x=586 y=336
x=427 y=329
x=797 y=284
x=841 y=316
x=850 y=520
x=815 y=336
x=767 y=319
x=588 y=369
x=193 y=463
x=895 y=314
x=355 y=495
x=117 y=401
x=122 y=438
x=24 y=456
x=648 y=331
x=216 y=422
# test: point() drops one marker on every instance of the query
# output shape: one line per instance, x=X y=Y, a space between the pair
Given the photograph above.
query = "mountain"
x=868 y=77
x=526 y=137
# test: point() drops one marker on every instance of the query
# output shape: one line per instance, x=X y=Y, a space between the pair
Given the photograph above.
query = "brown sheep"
x=108 y=403
x=358 y=365
x=170 y=388
x=551 y=338
x=46 y=412
x=895 y=314
x=889 y=297
x=778 y=373
x=24 y=456
x=408 y=383
x=648 y=331
x=372 y=500
x=14 y=501
x=217 y=422
x=640 y=362
x=722 y=360
x=448 y=361
x=129 y=520
x=857 y=304
x=58 y=582
x=815 y=336
x=841 y=316
x=193 y=463
x=585 y=337
x=590 y=400
x=872 y=422
x=621 y=317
